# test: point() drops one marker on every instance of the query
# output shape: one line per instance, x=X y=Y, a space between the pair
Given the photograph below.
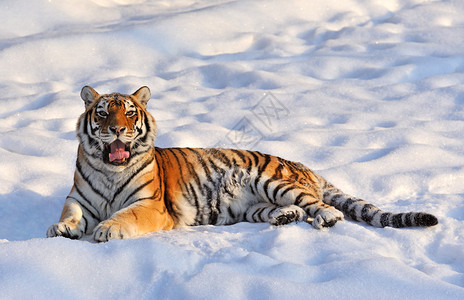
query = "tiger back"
x=125 y=187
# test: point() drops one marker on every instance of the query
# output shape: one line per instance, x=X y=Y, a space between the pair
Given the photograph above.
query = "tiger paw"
x=109 y=230
x=327 y=218
x=65 y=229
x=286 y=215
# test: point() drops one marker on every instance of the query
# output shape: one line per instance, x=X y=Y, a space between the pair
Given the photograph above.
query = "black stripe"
x=408 y=220
x=86 y=132
x=135 y=191
x=260 y=215
x=239 y=154
x=68 y=233
x=266 y=189
x=272 y=211
x=249 y=166
x=87 y=180
x=179 y=168
x=209 y=200
x=350 y=212
x=87 y=161
x=137 y=152
x=300 y=196
x=164 y=153
x=397 y=221
x=209 y=195
x=293 y=168
x=168 y=203
x=223 y=158
x=216 y=168
x=245 y=159
x=86 y=121
x=365 y=213
x=158 y=166
x=231 y=213
x=306 y=206
x=203 y=164
x=85 y=225
x=255 y=157
x=155 y=197
x=234 y=162
x=292 y=187
x=254 y=214
x=384 y=219
x=218 y=203
x=334 y=201
x=277 y=175
x=262 y=169
x=121 y=188
x=93 y=129
x=143 y=120
x=147 y=126
x=326 y=194
x=196 y=202
x=190 y=167
x=226 y=189
x=84 y=206
x=94 y=155
x=278 y=170
x=277 y=189
x=138 y=129
x=252 y=190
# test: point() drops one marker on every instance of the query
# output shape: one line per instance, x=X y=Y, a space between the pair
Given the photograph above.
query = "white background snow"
x=369 y=93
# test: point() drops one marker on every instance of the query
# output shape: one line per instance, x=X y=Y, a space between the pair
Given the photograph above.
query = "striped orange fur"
x=124 y=186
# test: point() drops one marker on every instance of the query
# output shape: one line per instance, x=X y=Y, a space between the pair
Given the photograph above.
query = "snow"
x=367 y=93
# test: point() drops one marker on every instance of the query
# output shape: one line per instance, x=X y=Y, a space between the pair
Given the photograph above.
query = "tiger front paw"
x=109 y=230
x=65 y=229
x=327 y=218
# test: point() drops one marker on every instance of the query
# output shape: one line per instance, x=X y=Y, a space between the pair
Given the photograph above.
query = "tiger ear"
x=89 y=95
x=142 y=95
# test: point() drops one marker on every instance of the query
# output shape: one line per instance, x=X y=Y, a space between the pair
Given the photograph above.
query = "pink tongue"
x=118 y=151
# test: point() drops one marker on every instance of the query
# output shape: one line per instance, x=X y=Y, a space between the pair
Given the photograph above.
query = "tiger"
x=125 y=187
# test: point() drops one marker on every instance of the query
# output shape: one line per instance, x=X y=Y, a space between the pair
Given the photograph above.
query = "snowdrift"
x=369 y=94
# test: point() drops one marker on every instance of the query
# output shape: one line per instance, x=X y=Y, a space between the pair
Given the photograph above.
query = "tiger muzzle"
x=117 y=153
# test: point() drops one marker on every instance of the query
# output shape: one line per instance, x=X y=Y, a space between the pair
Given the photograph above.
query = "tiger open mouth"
x=116 y=153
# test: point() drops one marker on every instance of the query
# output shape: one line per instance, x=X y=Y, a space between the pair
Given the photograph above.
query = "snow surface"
x=369 y=93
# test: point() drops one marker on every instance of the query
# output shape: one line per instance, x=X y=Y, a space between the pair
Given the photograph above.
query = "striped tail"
x=362 y=211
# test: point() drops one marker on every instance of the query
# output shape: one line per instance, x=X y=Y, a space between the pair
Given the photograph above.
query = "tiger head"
x=115 y=128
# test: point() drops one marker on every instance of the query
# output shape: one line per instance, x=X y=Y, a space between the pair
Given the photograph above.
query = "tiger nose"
x=117 y=129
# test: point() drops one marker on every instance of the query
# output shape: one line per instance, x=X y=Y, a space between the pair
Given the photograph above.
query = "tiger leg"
x=141 y=217
x=321 y=214
x=275 y=215
x=73 y=224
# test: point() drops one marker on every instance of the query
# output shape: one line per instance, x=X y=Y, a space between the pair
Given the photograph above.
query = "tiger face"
x=115 y=128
